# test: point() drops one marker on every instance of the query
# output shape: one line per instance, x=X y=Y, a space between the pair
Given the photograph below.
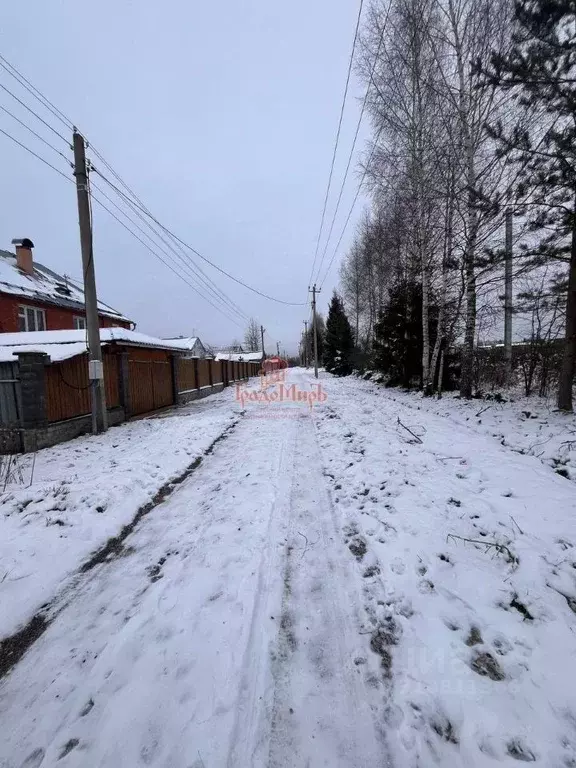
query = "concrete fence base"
x=197 y=394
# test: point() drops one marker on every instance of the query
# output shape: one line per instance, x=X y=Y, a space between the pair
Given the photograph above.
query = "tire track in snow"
x=321 y=714
x=251 y=733
x=145 y=667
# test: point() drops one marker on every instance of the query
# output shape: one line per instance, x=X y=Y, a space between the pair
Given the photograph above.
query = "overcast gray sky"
x=221 y=116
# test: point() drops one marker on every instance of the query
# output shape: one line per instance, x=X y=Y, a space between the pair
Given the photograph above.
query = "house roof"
x=46 y=286
x=186 y=342
x=62 y=345
x=240 y=357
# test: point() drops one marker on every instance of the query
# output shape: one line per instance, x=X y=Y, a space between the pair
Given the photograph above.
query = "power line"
x=166 y=263
x=33 y=132
x=351 y=61
x=364 y=102
x=183 y=256
x=66 y=121
x=60 y=173
x=19 y=77
x=354 y=201
x=42 y=160
x=36 y=115
x=187 y=245
x=170 y=254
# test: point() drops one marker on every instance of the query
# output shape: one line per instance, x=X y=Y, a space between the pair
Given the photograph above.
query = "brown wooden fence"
x=203 y=373
x=186 y=374
x=68 y=387
x=150 y=376
x=149 y=381
x=217 y=377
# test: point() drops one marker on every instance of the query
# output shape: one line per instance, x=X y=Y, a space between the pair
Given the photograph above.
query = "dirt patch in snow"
x=358 y=547
x=486 y=665
x=114 y=547
x=14 y=647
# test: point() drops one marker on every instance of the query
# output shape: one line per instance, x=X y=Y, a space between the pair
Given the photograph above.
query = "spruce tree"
x=539 y=71
x=338 y=340
x=397 y=345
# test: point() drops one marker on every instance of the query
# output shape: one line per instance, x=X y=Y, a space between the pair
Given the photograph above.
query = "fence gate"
x=150 y=380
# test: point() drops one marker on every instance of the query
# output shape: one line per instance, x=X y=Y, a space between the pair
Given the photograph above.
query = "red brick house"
x=34 y=298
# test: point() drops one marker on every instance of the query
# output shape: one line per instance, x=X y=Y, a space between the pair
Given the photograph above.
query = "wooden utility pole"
x=305 y=343
x=314 y=291
x=508 y=298
x=262 y=336
x=95 y=366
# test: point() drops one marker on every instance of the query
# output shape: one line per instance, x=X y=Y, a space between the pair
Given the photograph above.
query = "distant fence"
x=42 y=403
x=535 y=365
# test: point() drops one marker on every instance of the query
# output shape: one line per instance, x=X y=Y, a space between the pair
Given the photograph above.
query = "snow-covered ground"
x=324 y=590
x=84 y=491
x=529 y=425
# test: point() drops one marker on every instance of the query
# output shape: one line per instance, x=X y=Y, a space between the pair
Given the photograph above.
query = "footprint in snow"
x=34 y=759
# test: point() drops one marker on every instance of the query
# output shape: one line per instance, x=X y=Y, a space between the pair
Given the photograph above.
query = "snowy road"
x=295 y=603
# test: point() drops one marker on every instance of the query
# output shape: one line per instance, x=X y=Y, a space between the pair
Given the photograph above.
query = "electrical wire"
x=170 y=254
x=354 y=201
x=37 y=156
x=364 y=102
x=33 y=132
x=60 y=173
x=19 y=77
x=166 y=263
x=187 y=261
x=204 y=258
x=25 y=83
x=337 y=140
x=36 y=115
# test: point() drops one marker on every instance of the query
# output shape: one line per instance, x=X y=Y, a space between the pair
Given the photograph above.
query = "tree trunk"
x=440 y=374
x=567 y=375
x=446 y=256
x=425 y=326
x=467 y=371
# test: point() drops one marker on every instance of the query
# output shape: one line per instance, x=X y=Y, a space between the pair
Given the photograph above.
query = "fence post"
x=32 y=370
x=175 y=384
x=211 y=373
x=196 y=374
x=124 y=383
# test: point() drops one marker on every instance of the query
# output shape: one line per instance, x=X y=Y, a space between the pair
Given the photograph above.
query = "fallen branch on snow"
x=516 y=524
x=419 y=439
x=501 y=549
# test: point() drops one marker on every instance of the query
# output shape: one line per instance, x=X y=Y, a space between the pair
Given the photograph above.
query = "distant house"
x=240 y=357
x=35 y=298
x=191 y=345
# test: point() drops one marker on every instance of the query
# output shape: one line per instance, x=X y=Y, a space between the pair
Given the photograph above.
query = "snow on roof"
x=61 y=345
x=185 y=342
x=45 y=286
x=56 y=352
x=240 y=357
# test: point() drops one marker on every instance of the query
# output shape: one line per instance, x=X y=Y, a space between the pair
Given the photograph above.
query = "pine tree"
x=338 y=340
x=539 y=72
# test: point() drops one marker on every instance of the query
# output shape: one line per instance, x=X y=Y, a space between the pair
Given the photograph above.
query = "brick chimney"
x=24 y=260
